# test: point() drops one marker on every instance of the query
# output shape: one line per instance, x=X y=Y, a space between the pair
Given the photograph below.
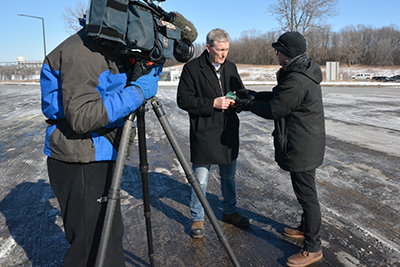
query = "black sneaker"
x=236 y=219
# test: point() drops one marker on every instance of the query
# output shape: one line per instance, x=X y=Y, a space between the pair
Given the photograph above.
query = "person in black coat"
x=295 y=105
x=214 y=124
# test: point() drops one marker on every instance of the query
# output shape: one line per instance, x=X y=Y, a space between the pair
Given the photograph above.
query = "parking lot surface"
x=358 y=186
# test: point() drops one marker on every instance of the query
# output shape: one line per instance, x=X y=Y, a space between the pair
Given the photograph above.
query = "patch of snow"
x=266 y=75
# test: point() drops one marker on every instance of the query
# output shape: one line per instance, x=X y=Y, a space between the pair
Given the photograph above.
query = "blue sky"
x=22 y=36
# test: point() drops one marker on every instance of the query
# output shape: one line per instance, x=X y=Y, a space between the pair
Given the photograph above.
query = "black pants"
x=77 y=187
x=306 y=193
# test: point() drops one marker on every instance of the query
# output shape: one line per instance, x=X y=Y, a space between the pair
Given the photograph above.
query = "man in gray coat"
x=214 y=125
x=295 y=105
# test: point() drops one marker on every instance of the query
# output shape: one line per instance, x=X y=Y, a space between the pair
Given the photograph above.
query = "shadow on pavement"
x=30 y=219
x=171 y=198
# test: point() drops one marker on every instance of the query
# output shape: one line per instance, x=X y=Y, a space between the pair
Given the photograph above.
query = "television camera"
x=141 y=30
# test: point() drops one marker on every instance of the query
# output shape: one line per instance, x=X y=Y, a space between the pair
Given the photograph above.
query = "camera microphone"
x=188 y=31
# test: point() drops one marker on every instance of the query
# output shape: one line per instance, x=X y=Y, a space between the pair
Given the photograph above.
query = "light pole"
x=44 y=36
x=291 y=15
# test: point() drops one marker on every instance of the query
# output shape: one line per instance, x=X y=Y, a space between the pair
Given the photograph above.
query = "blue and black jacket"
x=85 y=99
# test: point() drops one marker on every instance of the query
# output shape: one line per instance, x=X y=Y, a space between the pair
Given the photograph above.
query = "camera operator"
x=86 y=95
x=214 y=125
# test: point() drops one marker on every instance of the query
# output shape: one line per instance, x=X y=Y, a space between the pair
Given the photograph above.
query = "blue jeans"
x=228 y=189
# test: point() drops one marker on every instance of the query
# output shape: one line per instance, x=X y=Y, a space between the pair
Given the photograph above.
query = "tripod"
x=113 y=194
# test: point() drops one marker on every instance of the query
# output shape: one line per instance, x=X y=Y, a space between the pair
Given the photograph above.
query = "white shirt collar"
x=216 y=66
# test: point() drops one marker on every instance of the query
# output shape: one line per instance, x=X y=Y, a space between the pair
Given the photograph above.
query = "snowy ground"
x=358 y=186
x=267 y=73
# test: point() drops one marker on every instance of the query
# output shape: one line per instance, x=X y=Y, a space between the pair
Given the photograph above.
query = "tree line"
x=352 y=45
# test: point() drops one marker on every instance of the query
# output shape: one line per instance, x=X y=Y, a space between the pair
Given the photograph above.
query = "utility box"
x=332 y=71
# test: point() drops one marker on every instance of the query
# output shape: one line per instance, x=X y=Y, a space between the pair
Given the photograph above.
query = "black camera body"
x=140 y=30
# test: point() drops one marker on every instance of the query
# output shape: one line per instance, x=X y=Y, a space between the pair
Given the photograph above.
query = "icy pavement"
x=358 y=185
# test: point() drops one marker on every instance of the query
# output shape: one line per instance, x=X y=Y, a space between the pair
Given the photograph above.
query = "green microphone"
x=232 y=96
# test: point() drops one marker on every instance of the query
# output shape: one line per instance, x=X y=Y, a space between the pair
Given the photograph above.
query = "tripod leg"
x=114 y=191
x=157 y=107
x=145 y=179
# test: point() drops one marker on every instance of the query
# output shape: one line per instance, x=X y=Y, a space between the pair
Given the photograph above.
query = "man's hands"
x=223 y=103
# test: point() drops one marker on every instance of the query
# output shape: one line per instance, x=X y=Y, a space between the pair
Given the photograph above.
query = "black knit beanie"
x=291 y=44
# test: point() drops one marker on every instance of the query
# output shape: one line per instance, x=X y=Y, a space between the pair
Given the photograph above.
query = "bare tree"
x=334 y=49
x=300 y=15
x=198 y=49
x=368 y=39
x=385 y=46
x=253 y=47
x=351 y=45
x=395 y=37
x=318 y=42
x=71 y=17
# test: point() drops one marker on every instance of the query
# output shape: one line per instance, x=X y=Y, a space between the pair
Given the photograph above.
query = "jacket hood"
x=306 y=66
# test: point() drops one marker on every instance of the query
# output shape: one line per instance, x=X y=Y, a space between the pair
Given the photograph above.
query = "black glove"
x=244 y=103
x=245 y=93
x=242 y=93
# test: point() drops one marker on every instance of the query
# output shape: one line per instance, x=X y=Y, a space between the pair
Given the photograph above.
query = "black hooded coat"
x=296 y=106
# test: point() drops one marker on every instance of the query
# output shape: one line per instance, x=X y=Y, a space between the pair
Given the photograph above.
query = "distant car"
x=362 y=77
x=396 y=78
x=381 y=79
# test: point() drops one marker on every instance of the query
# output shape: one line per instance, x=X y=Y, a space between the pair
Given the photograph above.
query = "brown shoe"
x=197 y=229
x=236 y=219
x=303 y=258
x=293 y=233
